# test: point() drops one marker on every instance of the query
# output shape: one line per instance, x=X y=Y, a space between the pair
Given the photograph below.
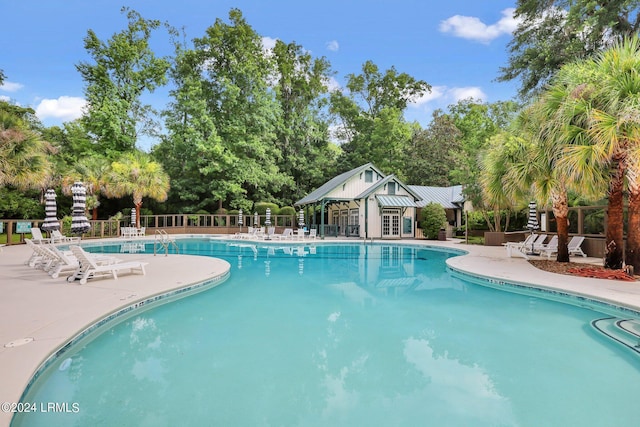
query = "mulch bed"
x=578 y=269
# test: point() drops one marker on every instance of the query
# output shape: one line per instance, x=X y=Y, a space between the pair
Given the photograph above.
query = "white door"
x=390 y=223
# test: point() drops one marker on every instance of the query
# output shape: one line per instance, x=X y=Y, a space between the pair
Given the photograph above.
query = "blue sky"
x=457 y=46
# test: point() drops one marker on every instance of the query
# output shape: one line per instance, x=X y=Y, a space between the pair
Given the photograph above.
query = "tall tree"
x=430 y=153
x=302 y=135
x=236 y=75
x=552 y=33
x=125 y=67
x=566 y=122
x=477 y=122
x=136 y=174
x=371 y=122
x=192 y=153
x=605 y=92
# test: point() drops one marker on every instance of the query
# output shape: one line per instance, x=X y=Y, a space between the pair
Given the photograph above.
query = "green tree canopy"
x=552 y=33
x=371 y=121
x=136 y=174
x=123 y=69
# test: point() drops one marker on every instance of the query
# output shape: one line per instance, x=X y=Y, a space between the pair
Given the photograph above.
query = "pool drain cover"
x=18 y=343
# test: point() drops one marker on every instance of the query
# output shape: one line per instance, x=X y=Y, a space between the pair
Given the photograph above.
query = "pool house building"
x=365 y=203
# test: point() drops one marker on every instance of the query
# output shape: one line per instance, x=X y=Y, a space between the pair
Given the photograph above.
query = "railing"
x=163 y=241
x=14 y=231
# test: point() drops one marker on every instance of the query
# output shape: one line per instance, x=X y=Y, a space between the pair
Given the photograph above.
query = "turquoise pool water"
x=343 y=335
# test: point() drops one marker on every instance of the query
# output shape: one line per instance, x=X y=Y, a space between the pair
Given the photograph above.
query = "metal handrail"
x=163 y=240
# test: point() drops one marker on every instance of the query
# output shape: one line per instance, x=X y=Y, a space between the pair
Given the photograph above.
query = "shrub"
x=432 y=218
x=261 y=208
x=288 y=210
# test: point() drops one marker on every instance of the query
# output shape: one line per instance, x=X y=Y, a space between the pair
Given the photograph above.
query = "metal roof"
x=384 y=181
x=448 y=197
x=395 y=201
x=319 y=193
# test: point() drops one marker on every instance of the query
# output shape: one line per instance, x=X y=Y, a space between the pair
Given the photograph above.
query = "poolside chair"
x=89 y=267
x=552 y=243
x=520 y=248
x=40 y=258
x=37 y=237
x=270 y=233
x=58 y=237
x=313 y=233
x=538 y=242
x=125 y=232
x=36 y=256
x=300 y=233
x=574 y=246
x=287 y=234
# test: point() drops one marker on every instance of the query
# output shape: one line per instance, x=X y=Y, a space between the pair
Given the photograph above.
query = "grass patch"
x=473 y=240
x=15 y=238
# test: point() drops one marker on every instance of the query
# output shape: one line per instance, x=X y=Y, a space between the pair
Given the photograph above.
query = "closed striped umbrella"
x=256 y=219
x=267 y=220
x=133 y=217
x=301 y=219
x=532 y=224
x=79 y=222
x=51 y=222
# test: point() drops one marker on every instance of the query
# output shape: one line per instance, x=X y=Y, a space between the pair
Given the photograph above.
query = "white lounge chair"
x=520 y=248
x=37 y=237
x=575 y=246
x=270 y=235
x=313 y=233
x=58 y=237
x=88 y=267
x=542 y=246
x=287 y=234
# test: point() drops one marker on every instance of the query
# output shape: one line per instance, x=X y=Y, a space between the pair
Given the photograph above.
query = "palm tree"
x=135 y=173
x=24 y=159
x=522 y=165
x=615 y=129
x=93 y=172
x=601 y=114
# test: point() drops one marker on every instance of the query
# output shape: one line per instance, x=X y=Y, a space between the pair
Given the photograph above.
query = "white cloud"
x=332 y=84
x=11 y=86
x=472 y=28
x=4 y=98
x=443 y=95
x=333 y=45
x=436 y=92
x=268 y=43
x=64 y=108
x=460 y=93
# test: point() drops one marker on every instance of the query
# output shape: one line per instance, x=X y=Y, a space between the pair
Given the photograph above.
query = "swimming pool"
x=343 y=335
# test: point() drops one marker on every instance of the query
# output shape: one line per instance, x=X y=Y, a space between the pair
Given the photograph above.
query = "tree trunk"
x=560 y=206
x=632 y=250
x=615 y=220
x=94 y=213
x=138 y=205
x=563 y=239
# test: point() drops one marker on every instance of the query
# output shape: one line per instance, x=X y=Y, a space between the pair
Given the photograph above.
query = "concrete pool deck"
x=39 y=315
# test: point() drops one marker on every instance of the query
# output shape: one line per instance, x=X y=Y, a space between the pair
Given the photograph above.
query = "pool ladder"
x=163 y=241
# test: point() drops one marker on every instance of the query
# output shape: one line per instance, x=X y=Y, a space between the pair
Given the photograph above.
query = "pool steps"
x=624 y=331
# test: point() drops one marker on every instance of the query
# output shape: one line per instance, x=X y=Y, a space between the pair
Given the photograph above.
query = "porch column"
x=322 y=220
